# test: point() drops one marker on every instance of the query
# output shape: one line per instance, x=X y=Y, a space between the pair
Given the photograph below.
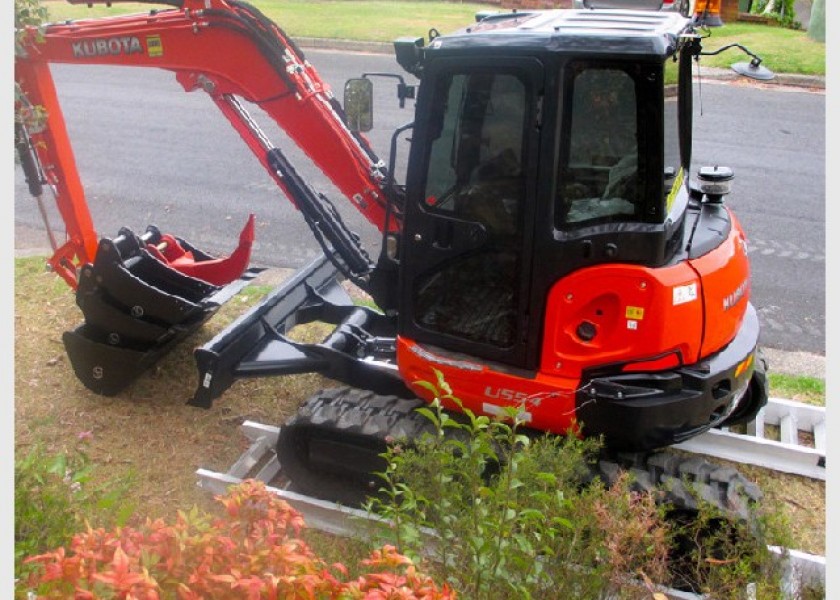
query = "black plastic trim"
x=255 y=345
x=643 y=411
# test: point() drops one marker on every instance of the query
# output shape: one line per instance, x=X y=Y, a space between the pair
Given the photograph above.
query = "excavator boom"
x=141 y=293
x=203 y=43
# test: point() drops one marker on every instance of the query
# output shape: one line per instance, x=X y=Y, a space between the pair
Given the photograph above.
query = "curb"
x=346 y=45
x=782 y=79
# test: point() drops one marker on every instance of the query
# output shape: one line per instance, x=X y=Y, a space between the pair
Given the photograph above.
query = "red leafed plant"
x=253 y=552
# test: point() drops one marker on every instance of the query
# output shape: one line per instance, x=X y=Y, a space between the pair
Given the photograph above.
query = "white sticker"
x=685 y=293
x=632 y=324
x=498 y=411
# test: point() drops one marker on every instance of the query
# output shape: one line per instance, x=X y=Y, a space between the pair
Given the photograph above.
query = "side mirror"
x=358 y=104
x=753 y=69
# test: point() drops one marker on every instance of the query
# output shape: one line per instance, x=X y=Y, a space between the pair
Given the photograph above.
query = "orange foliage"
x=252 y=553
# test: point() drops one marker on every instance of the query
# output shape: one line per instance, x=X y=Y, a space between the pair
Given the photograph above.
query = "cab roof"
x=593 y=32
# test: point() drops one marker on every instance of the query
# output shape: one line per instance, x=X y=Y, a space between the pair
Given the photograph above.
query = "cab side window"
x=475 y=169
x=598 y=178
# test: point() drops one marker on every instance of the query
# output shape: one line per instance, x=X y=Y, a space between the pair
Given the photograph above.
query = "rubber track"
x=356 y=415
x=352 y=415
x=684 y=481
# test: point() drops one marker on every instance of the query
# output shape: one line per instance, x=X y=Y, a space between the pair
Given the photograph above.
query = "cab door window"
x=475 y=175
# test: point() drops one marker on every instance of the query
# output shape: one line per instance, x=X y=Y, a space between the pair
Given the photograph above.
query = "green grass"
x=802 y=389
x=255 y=292
x=782 y=50
x=376 y=20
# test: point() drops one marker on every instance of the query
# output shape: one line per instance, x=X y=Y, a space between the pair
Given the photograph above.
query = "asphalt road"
x=775 y=143
x=148 y=153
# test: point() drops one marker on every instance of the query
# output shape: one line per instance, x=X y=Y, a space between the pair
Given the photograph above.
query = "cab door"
x=467 y=238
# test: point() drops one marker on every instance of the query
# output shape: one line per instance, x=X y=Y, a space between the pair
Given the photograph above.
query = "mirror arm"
x=756 y=60
x=754 y=70
x=404 y=90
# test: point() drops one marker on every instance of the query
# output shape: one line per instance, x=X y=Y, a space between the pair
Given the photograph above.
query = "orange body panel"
x=726 y=288
x=549 y=402
x=655 y=319
x=638 y=313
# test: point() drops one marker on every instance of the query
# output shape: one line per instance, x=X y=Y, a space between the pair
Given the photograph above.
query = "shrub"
x=500 y=514
x=56 y=495
x=254 y=551
x=29 y=14
x=781 y=11
x=723 y=558
x=480 y=501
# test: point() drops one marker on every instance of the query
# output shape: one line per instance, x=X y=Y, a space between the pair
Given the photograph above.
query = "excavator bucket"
x=141 y=296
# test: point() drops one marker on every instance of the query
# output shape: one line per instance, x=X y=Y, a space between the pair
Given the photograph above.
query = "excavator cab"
x=553 y=244
x=530 y=162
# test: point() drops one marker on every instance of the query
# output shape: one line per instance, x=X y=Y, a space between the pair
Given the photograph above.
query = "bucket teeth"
x=138 y=303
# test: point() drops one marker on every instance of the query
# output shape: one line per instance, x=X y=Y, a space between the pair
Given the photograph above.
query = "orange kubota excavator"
x=548 y=249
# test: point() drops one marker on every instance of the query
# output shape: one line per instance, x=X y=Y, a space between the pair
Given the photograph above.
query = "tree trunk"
x=816 y=25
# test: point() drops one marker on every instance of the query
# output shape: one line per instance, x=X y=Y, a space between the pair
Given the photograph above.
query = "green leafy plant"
x=253 y=551
x=30 y=15
x=781 y=11
x=500 y=514
x=56 y=495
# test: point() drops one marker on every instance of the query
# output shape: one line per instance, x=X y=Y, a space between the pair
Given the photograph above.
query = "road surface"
x=148 y=153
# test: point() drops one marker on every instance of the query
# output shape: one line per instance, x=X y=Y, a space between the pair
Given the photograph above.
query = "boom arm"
x=230 y=50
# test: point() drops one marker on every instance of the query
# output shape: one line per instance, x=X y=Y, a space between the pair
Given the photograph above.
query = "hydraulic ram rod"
x=319 y=213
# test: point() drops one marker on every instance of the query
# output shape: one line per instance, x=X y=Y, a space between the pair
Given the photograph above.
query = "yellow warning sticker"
x=635 y=312
x=154 y=46
x=675 y=189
